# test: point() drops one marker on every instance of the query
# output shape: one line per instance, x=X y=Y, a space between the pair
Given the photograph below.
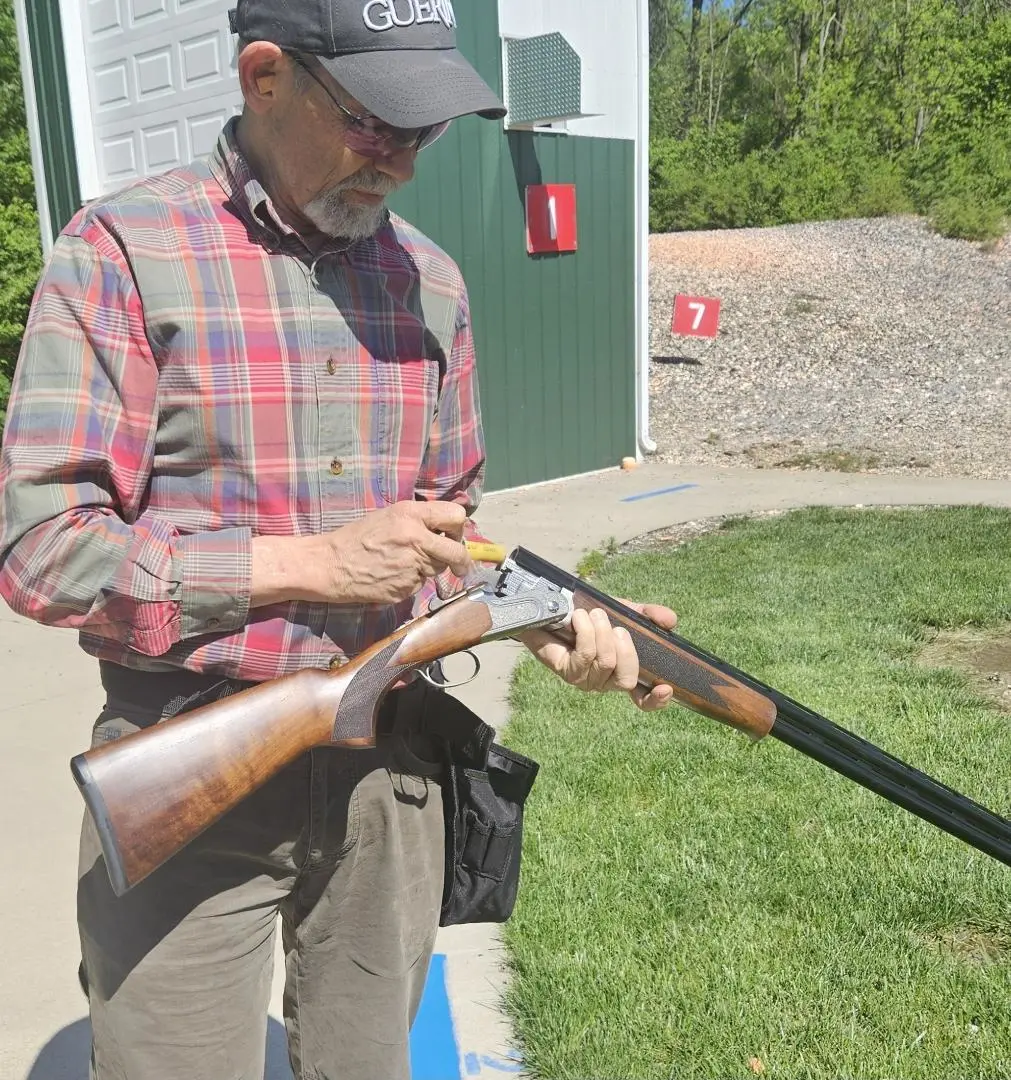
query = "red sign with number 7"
x=696 y=316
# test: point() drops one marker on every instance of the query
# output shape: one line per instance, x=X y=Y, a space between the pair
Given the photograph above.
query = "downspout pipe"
x=645 y=444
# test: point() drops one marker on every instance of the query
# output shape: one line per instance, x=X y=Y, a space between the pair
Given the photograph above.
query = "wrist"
x=287 y=568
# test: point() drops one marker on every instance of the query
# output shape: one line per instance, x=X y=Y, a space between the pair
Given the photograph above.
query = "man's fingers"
x=584 y=648
x=650 y=700
x=605 y=650
x=441 y=552
x=657 y=613
x=603 y=657
x=444 y=517
x=664 y=617
x=626 y=665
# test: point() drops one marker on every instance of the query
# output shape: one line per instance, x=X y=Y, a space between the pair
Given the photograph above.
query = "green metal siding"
x=53 y=99
x=555 y=333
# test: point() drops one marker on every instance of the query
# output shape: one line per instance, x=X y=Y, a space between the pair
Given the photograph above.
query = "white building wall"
x=604 y=34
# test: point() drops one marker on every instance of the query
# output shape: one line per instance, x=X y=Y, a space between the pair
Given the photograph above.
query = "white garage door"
x=161 y=78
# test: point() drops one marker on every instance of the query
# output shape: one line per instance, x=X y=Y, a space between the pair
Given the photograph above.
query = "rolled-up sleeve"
x=77 y=547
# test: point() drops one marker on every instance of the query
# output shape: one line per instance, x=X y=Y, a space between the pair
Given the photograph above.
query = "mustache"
x=371 y=180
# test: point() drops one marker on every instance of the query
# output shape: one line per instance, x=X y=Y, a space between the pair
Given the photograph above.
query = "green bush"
x=20 y=264
x=963 y=218
x=962 y=181
x=882 y=191
x=701 y=183
x=700 y=186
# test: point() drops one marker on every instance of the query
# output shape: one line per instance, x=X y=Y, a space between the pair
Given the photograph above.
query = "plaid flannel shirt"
x=192 y=376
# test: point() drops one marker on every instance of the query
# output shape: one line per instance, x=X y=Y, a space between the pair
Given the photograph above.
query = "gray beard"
x=334 y=216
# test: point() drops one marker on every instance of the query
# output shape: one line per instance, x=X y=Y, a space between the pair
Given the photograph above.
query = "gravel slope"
x=870 y=344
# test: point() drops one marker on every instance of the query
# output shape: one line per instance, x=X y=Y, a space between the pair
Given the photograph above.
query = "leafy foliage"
x=20 y=251
x=772 y=111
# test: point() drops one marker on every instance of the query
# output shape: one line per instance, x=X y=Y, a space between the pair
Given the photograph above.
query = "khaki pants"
x=347 y=847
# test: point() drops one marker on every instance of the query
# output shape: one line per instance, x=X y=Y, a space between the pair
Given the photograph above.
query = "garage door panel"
x=163 y=141
x=162 y=80
x=107 y=16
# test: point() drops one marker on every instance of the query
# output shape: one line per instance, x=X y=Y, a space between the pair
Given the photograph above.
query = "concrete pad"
x=52 y=696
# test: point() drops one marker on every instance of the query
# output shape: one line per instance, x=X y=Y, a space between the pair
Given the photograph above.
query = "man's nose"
x=399 y=165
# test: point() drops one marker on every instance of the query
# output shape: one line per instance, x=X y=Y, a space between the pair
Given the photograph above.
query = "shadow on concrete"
x=680 y=359
x=65 y=1056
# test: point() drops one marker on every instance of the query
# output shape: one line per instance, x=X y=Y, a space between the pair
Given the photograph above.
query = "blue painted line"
x=434 y=1053
x=659 y=491
x=475 y=1064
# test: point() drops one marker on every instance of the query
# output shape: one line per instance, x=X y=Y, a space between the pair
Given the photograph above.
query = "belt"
x=159 y=693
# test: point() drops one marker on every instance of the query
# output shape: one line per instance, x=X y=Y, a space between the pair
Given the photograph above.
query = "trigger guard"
x=440 y=684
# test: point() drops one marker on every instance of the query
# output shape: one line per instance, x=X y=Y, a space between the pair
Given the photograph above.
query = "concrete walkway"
x=51 y=698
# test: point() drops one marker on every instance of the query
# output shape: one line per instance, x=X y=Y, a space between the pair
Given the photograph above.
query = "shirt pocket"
x=408 y=402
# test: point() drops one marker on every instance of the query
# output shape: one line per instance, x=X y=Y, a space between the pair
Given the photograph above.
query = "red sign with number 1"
x=696 y=316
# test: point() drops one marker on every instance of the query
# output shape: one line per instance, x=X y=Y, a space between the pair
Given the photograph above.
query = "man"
x=244 y=433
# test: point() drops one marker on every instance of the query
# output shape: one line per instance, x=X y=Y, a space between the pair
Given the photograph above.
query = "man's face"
x=341 y=192
x=351 y=207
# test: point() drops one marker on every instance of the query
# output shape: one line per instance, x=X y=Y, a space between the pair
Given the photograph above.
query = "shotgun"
x=153 y=791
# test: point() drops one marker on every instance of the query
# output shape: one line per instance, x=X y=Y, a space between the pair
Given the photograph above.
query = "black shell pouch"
x=483 y=808
x=484 y=789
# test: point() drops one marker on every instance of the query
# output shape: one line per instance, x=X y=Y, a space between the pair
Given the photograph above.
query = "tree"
x=766 y=111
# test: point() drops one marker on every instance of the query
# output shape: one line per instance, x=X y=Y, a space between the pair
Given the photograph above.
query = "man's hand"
x=603 y=657
x=385 y=557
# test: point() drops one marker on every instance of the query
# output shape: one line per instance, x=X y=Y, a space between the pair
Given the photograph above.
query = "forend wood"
x=702 y=683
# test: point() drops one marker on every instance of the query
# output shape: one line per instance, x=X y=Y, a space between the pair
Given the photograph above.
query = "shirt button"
x=337 y=466
x=331 y=365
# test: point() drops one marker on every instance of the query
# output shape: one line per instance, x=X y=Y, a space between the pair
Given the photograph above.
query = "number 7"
x=700 y=310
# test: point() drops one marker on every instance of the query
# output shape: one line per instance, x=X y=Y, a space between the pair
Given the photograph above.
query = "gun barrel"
x=880 y=772
x=819 y=738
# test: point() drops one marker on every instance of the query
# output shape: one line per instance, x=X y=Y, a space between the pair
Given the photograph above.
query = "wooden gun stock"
x=152 y=792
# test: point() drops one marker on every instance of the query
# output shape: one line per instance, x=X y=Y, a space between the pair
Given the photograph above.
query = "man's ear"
x=261 y=69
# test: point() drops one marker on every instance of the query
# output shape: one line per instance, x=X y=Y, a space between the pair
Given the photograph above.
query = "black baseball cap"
x=397 y=57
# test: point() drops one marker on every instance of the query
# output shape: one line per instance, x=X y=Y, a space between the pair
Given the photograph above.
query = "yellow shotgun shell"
x=481 y=552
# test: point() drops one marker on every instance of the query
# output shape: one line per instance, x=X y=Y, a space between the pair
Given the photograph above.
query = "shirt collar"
x=245 y=192
x=248 y=195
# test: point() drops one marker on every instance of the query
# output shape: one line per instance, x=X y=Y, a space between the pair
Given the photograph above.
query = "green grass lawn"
x=692 y=901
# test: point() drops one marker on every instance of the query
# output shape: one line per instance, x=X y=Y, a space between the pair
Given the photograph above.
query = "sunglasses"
x=371 y=137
